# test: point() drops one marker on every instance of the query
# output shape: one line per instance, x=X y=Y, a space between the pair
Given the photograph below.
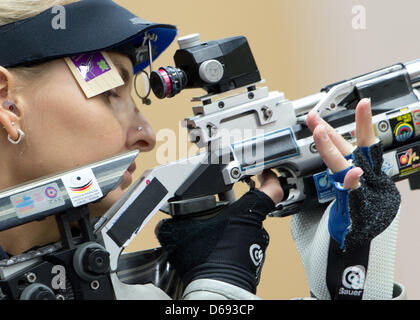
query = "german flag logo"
x=82 y=189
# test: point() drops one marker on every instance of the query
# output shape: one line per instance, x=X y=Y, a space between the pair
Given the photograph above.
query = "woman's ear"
x=10 y=114
x=7 y=83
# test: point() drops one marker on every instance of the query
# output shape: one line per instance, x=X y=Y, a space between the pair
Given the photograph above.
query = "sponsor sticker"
x=408 y=160
x=82 y=187
x=416 y=118
x=390 y=165
x=324 y=187
x=402 y=127
x=350 y=137
x=37 y=200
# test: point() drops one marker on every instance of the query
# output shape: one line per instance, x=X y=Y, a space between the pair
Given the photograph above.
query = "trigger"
x=286 y=186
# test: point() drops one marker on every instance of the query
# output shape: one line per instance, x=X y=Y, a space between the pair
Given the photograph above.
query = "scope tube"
x=413 y=69
x=304 y=105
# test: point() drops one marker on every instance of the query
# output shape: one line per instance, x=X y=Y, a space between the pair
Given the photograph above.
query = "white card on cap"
x=95 y=72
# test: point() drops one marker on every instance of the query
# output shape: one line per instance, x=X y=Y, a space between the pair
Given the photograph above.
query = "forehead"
x=123 y=63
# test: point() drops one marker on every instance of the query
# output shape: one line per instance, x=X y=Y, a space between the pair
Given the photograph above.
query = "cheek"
x=67 y=130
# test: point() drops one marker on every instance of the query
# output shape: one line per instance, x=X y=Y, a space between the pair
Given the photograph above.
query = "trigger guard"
x=150 y=266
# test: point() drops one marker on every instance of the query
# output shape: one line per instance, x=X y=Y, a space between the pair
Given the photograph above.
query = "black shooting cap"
x=90 y=25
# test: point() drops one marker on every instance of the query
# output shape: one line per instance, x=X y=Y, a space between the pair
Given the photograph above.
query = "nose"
x=141 y=135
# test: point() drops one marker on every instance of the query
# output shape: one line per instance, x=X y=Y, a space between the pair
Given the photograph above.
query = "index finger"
x=329 y=153
x=313 y=120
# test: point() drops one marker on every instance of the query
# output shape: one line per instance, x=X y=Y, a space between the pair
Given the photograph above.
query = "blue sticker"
x=37 y=200
x=324 y=187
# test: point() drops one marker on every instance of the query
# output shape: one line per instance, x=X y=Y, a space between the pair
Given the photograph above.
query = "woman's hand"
x=270 y=185
x=333 y=148
x=367 y=200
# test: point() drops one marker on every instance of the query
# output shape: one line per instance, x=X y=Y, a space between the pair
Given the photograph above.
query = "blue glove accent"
x=339 y=218
x=366 y=152
x=339 y=176
x=349 y=157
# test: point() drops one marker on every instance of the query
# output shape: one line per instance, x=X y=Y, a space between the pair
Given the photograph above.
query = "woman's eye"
x=111 y=93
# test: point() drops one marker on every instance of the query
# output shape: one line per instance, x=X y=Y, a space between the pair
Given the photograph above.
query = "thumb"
x=270 y=185
x=352 y=178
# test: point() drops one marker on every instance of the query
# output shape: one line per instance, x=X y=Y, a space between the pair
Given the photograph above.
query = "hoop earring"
x=21 y=135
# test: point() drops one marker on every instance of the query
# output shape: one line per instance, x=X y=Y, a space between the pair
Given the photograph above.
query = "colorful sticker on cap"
x=37 y=200
x=82 y=187
x=95 y=72
x=324 y=187
x=408 y=160
x=402 y=128
x=91 y=65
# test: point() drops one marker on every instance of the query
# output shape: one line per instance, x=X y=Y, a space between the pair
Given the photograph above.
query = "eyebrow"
x=125 y=75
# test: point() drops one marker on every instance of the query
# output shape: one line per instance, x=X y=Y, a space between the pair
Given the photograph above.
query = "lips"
x=132 y=168
x=127 y=177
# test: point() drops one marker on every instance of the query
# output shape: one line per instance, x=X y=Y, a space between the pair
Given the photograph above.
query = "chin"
x=100 y=208
x=126 y=181
x=124 y=185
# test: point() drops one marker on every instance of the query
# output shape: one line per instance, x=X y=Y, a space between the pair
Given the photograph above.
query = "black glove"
x=360 y=215
x=356 y=218
x=228 y=247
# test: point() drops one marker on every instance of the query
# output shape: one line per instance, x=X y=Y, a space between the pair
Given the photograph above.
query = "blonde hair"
x=15 y=10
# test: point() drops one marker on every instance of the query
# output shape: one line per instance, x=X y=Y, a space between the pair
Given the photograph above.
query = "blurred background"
x=299 y=46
